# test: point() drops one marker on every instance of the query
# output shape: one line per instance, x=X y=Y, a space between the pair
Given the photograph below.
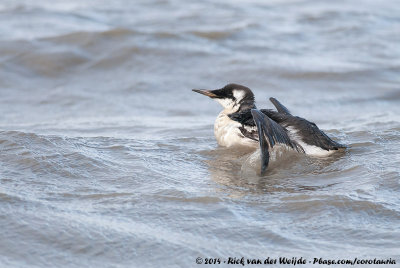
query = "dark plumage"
x=270 y=133
x=308 y=131
x=268 y=127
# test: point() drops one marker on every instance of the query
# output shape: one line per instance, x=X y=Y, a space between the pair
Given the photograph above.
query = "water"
x=108 y=159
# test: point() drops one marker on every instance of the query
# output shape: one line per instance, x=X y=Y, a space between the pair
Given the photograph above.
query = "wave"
x=52 y=155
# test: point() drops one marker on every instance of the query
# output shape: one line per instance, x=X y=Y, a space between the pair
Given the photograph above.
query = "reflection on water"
x=230 y=167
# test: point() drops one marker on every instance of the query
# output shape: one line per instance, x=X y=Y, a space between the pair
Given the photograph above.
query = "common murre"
x=242 y=124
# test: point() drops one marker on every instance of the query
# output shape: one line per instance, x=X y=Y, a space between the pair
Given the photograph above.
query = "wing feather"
x=279 y=106
x=270 y=133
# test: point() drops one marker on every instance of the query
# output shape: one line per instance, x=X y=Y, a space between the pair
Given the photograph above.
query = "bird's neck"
x=239 y=107
x=246 y=105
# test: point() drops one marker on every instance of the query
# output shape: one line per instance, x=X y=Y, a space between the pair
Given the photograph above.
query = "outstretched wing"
x=306 y=131
x=270 y=133
x=311 y=134
x=279 y=106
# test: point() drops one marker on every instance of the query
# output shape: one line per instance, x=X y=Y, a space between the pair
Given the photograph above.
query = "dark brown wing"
x=306 y=130
x=270 y=133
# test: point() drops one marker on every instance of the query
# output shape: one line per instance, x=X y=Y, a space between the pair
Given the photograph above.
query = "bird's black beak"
x=206 y=92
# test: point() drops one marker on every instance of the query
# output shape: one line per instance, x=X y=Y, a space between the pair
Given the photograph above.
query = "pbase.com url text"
x=292 y=261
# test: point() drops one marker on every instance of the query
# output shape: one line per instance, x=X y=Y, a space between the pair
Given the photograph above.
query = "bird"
x=241 y=123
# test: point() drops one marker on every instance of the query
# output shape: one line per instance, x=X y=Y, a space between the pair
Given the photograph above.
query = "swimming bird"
x=240 y=123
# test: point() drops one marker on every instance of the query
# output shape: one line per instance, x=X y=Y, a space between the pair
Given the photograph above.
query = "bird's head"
x=232 y=97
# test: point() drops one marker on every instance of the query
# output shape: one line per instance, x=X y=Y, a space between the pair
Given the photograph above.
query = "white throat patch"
x=227 y=103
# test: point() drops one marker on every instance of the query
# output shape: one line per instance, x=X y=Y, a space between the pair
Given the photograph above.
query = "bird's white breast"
x=228 y=134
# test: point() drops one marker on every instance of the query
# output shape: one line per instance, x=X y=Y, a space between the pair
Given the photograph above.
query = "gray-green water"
x=108 y=159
